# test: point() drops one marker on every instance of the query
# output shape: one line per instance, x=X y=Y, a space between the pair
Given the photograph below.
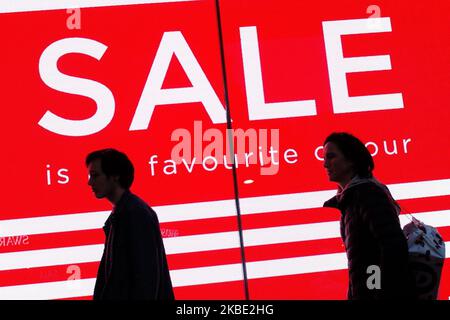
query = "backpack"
x=426 y=258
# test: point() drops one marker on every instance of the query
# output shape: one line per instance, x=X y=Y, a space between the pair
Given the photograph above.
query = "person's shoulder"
x=133 y=199
x=371 y=194
x=331 y=203
x=369 y=189
x=137 y=206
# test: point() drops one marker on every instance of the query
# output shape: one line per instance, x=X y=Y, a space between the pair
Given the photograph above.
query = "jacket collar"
x=356 y=181
x=123 y=199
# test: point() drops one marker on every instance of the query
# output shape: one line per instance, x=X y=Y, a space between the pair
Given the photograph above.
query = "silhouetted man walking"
x=133 y=265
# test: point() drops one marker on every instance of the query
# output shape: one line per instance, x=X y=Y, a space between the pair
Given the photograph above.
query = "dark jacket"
x=133 y=265
x=372 y=236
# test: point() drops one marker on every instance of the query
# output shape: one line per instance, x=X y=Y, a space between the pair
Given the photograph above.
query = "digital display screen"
x=182 y=87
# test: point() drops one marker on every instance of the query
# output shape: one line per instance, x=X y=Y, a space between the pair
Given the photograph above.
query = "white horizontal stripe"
x=202 y=242
x=436 y=219
x=50 y=257
x=264 y=269
x=252 y=237
x=420 y=189
x=295 y=233
x=284 y=234
x=95 y=220
x=52 y=224
x=49 y=290
x=315 y=199
x=285 y=202
x=259 y=269
x=192 y=276
x=211 y=209
x=188 y=277
x=299 y=265
x=9 y=6
x=207 y=275
x=196 y=210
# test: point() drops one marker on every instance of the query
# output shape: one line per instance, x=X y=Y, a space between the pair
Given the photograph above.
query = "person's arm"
x=145 y=255
x=382 y=220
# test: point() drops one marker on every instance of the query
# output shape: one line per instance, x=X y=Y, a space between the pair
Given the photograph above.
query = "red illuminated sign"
x=160 y=81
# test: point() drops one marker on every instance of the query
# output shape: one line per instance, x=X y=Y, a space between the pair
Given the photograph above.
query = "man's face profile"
x=102 y=185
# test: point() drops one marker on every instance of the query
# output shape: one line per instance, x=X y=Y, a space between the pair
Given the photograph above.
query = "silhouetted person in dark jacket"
x=133 y=265
x=376 y=247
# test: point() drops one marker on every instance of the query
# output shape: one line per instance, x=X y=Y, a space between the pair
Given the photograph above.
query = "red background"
x=294 y=67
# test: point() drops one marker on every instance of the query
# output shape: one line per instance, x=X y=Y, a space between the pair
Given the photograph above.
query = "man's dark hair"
x=354 y=151
x=114 y=163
